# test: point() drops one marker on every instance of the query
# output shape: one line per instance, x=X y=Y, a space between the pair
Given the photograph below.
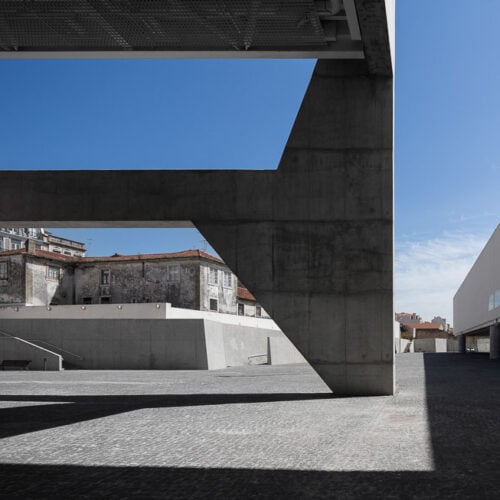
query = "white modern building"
x=476 y=305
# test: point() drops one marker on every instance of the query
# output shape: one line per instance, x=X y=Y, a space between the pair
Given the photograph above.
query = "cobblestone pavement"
x=252 y=432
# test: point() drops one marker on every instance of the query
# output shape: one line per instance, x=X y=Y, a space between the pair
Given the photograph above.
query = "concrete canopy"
x=312 y=240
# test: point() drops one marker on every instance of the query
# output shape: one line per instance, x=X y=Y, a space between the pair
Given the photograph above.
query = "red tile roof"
x=40 y=253
x=12 y=252
x=244 y=293
x=425 y=326
x=153 y=256
x=116 y=257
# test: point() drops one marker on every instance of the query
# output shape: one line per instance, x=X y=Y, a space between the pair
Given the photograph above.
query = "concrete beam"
x=312 y=240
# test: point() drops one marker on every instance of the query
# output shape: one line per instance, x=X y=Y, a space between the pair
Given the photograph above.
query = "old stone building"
x=189 y=279
x=14 y=238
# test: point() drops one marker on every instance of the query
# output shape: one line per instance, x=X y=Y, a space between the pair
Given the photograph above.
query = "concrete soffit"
x=331 y=29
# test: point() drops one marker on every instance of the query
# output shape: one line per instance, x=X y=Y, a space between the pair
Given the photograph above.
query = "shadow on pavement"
x=23 y=419
x=463 y=405
x=68 y=481
x=462 y=397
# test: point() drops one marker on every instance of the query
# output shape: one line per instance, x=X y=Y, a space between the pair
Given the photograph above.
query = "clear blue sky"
x=237 y=114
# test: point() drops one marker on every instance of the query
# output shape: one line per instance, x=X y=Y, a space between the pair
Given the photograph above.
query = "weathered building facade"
x=14 y=238
x=190 y=279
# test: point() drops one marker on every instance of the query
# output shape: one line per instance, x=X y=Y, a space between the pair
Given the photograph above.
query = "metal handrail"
x=6 y=334
x=34 y=341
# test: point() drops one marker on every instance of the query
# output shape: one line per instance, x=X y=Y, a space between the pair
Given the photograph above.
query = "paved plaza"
x=253 y=432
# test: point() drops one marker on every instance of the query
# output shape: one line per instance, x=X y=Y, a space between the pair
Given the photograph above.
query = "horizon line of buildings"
x=417 y=329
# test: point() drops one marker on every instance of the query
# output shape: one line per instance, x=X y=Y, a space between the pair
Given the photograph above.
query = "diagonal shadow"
x=24 y=419
x=462 y=397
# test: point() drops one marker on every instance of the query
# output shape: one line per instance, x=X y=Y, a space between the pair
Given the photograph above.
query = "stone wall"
x=211 y=290
x=12 y=289
x=43 y=288
x=139 y=281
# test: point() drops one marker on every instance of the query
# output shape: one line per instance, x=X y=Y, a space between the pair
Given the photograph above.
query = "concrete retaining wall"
x=483 y=344
x=430 y=345
x=130 y=311
x=13 y=348
x=452 y=345
x=283 y=352
x=163 y=344
x=404 y=345
x=120 y=344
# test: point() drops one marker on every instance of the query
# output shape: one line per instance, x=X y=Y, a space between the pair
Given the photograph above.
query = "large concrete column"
x=495 y=341
x=461 y=344
x=321 y=263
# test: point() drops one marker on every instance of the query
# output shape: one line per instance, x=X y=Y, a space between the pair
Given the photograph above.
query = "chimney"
x=30 y=246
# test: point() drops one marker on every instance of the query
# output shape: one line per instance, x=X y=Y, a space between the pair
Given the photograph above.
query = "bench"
x=15 y=364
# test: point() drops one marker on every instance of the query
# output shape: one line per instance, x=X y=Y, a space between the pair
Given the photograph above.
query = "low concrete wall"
x=483 y=344
x=404 y=345
x=163 y=344
x=130 y=311
x=283 y=352
x=452 y=345
x=91 y=311
x=243 y=349
x=13 y=348
x=430 y=345
x=109 y=344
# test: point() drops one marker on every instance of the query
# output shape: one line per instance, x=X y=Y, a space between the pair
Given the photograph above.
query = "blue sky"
x=237 y=114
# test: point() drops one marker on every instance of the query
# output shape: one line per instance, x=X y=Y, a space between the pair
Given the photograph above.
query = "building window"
x=174 y=273
x=87 y=300
x=32 y=232
x=15 y=244
x=213 y=278
x=214 y=305
x=105 y=300
x=3 y=271
x=53 y=273
x=105 y=277
x=227 y=279
x=56 y=250
x=258 y=311
x=494 y=300
x=1 y=243
x=241 y=309
x=66 y=252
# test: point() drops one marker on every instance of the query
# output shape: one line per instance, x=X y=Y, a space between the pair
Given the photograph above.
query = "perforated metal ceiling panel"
x=179 y=26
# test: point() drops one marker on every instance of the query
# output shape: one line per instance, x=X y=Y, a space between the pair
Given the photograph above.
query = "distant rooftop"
x=185 y=254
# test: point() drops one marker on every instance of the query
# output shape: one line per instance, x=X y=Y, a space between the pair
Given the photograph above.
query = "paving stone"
x=257 y=431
